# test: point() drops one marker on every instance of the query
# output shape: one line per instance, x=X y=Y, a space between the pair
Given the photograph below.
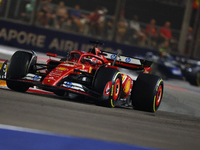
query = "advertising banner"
x=55 y=41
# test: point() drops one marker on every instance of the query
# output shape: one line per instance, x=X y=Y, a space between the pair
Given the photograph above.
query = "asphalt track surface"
x=176 y=125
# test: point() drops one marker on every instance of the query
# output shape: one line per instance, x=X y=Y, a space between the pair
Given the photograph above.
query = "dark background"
x=145 y=9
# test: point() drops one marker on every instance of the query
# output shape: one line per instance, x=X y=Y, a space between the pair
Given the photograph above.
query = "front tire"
x=147 y=92
x=194 y=78
x=17 y=86
x=19 y=66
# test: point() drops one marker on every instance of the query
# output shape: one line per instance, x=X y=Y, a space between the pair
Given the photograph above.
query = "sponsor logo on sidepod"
x=68 y=84
x=127 y=60
x=113 y=56
x=36 y=78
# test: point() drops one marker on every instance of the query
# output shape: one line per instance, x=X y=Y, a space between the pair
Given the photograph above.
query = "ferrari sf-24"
x=94 y=74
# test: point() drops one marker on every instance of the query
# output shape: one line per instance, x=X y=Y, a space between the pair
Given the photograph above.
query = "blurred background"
x=153 y=25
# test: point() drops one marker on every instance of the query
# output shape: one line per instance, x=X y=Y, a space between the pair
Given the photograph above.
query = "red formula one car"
x=94 y=74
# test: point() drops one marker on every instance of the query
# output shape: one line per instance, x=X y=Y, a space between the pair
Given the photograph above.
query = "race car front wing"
x=70 y=87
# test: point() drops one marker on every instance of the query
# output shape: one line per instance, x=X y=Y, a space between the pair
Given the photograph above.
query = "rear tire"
x=18 y=68
x=147 y=92
x=103 y=76
x=194 y=78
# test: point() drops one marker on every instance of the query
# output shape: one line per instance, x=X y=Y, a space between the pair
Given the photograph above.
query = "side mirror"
x=102 y=54
x=51 y=55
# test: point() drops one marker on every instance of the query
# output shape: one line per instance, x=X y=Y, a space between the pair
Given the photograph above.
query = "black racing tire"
x=17 y=86
x=147 y=92
x=102 y=77
x=194 y=78
x=18 y=68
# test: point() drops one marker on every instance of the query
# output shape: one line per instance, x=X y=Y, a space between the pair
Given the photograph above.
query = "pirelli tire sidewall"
x=159 y=84
x=19 y=65
x=102 y=77
x=147 y=92
x=18 y=68
x=115 y=88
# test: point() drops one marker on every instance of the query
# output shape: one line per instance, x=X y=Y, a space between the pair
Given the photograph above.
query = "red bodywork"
x=78 y=62
x=69 y=67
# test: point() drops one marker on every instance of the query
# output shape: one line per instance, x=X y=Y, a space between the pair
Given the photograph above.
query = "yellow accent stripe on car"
x=90 y=70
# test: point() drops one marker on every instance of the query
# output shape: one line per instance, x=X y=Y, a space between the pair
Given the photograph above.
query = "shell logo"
x=62 y=68
x=127 y=87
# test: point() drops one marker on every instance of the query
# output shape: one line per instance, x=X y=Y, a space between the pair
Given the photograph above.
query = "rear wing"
x=126 y=61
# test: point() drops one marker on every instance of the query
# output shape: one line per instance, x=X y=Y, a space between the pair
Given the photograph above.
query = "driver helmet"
x=92 y=60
